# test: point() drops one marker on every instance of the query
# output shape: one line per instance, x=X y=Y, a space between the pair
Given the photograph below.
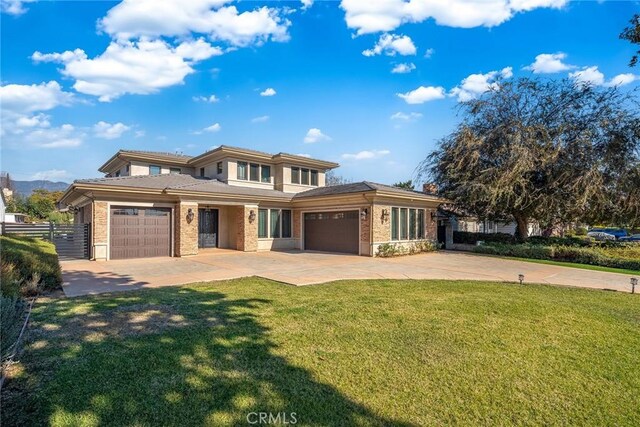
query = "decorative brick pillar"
x=365 y=231
x=247 y=237
x=99 y=230
x=381 y=225
x=186 y=232
x=297 y=227
x=431 y=229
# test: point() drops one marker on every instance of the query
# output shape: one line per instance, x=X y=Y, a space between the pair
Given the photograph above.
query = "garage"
x=332 y=231
x=140 y=232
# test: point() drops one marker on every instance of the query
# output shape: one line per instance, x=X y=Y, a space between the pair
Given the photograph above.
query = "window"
x=242 y=171
x=304 y=177
x=295 y=175
x=262 y=223
x=127 y=168
x=125 y=211
x=156 y=212
x=407 y=224
x=403 y=224
x=117 y=174
x=219 y=168
x=202 y=172
x=286 y=223
x=254 y=172
x=274 y=223
x=265 y=174
x=420 y=223
x=412 y=224
x=175 y=170
x=154 y=170
x=394 y=224
x=314 y=178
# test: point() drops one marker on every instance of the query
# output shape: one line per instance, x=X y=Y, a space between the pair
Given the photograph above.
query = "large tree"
x=544 y=150
x=632 y=34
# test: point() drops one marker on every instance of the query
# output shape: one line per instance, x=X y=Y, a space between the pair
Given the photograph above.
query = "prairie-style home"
x=161 y=204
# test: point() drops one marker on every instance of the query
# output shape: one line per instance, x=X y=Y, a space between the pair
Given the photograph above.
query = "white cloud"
x=392 y=44
x=212 y=99
x=268 y=92
x=64 y=136
x=622 y=79
x=548 y=63
x=260 y=119
x=197 y=50
x=14 y=7
x=403 y=68
x=51 y=175
x=423 y=94
x=429 y=53
x=141 y=67
x=35 y=97
x=366 y=155
x=306 y=4
x=315 y=135
x=406 y=117
x=38 y=120
x=588 y=75
x=106 y=130
x=155 y=18
x=477 y=84
x=387 y=15
x=213 y=128
x=140 y=133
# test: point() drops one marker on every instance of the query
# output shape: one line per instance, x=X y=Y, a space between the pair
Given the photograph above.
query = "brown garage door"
x=140 y=232
x=332 y=231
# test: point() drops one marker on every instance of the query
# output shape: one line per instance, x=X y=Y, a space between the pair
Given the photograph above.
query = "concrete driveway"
x=305 y=268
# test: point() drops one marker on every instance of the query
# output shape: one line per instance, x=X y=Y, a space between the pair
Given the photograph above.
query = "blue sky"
x=82 y=79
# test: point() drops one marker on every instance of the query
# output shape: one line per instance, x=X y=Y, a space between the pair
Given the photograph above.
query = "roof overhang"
x=127 y=156
x=225 y=151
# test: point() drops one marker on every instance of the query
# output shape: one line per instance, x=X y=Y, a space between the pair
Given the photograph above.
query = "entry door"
x=207 y=228
x=442 y=233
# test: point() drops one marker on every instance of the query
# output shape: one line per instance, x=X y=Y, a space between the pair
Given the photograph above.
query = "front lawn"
x=346 y=353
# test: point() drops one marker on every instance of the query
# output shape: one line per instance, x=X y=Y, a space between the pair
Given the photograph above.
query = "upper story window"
x=117 y=174
x=202 y=172
x=242 y=171
x=219 y=168
x=155 y=170
x=254 y=172
x=127 y=168
x=175 y=170
x=304 y=176
x=265 y=174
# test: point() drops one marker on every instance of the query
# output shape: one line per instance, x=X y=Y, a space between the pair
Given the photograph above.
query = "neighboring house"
x=477 y=226
x=161 y=204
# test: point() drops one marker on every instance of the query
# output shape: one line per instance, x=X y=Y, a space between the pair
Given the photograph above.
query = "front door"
x=442 y=234
x=207 y=228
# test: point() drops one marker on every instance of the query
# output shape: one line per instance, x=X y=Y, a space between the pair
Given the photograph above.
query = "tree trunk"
x=522 y=231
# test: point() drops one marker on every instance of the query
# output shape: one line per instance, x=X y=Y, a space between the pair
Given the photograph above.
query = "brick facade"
x=431 y=226
x=99 y=230
x=247 y=237
x=186 y=232
x=381 y=225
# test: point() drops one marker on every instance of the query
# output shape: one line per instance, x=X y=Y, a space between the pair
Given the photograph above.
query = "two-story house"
x=161 y=204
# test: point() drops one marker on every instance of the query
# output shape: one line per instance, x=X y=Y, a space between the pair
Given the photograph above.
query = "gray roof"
x=171 y=156
x=185 y=183
x=355 y=187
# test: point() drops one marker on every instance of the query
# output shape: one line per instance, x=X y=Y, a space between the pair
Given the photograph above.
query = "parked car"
x=617 y=233
x=601 y=235
x=631 y=238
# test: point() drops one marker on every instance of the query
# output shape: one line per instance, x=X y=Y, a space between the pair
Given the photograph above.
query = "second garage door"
x=332 y=231
x=140 y=232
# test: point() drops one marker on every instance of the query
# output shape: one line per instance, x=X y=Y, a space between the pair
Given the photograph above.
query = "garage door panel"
x=332 y=231
x=140 y=233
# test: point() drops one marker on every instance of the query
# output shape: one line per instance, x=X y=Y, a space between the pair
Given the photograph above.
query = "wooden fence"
x=72 y=241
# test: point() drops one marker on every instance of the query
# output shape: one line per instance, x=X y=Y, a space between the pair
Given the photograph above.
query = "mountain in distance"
x=25 y=188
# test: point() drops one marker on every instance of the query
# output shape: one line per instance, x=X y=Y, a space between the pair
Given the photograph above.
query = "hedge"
x=22 y=258
x=470 y=238
x=621 y=257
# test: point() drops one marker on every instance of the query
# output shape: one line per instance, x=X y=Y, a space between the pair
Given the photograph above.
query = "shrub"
x=561 y=241
x=472 y=238
x=387 y=250
x=23 y=258
x=626 y=257
x=11 y=314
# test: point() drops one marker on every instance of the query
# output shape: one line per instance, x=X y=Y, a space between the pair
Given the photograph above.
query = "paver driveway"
x=305 y=268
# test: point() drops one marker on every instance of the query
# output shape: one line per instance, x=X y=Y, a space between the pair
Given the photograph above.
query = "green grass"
x=346 y=353
x=22 y=257
x=568 y=264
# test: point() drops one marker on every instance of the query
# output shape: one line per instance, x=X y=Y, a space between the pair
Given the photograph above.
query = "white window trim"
x=408 y=239
x=280 y=221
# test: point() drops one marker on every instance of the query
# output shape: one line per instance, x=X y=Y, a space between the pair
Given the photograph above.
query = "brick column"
x=381 y=227
x=247 y=237
x=297 y=227
x=186 y=232
x=99 y=230
x=431 y=229
x=365 y=230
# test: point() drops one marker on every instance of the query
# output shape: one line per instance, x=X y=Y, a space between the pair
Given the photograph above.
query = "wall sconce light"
x=252 y=215
x=363 y=214
x=190 y=215
x=385 y=215
x=433 y=215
